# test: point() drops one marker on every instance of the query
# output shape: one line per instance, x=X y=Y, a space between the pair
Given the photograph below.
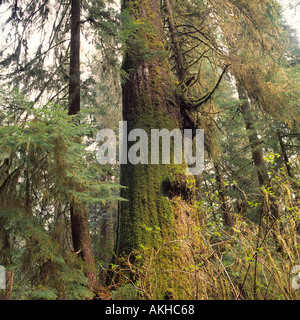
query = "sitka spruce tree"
x=79 y=214
x=149 y=219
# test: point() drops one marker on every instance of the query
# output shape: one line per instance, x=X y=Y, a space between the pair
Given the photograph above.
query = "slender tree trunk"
x=74 y=80
x=257 y=155
x=284 y=154
x=6 y=260
x=257 y=152
x=221 y=194
x=179 y=58
x=7 y=293
x=182 y=75
x=79 y=215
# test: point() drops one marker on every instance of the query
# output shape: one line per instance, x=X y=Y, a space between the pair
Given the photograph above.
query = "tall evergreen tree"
x=150 y=101
x=79 y=215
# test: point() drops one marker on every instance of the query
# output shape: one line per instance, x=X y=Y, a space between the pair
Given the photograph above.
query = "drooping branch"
x=207 y=96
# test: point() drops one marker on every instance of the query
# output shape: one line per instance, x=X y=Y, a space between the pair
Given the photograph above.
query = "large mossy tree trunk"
x=150 y=101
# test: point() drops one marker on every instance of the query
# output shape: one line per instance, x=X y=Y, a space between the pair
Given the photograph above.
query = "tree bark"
x=179 y=58
x=222 y=196
x=7 y=293
x=149 y=218
x=82 y=241
x=74 y=77
x=148 y=102
x=6 y=259
x=257 y=153
x=79 y=215
x=284 y=154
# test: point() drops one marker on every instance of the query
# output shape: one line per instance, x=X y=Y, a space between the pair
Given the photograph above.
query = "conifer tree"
x=149 y=218
x=45 y=76
x=79 y=215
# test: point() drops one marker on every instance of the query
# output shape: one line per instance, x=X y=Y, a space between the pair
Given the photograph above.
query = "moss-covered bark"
x=148 y=206
x=150 y=101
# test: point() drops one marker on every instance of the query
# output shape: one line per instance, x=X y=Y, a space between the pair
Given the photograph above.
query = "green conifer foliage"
x=43 y=170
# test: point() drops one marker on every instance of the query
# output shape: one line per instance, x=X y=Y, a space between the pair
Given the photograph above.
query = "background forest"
x=71 y=228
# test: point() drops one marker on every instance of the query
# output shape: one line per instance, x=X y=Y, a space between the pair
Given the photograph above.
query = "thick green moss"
x=148 y=203
x=150 y=218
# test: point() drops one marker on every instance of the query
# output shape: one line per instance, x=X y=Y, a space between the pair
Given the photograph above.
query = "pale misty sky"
x=291 y=14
